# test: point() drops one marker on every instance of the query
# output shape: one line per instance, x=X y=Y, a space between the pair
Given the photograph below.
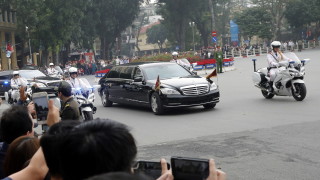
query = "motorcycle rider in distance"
x=74 y=81
x=16 y=82
x=51 y=70
x=274 y=57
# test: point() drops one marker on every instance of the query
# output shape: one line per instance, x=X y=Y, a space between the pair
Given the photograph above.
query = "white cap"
x=175 y=54
x=15 y=72
x=275 y=44
x=51 y=64
x=73 y=70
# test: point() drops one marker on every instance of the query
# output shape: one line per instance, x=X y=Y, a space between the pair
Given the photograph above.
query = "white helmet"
x=73 y=70
x=175 y=54
x=275 y=44
x=51 y=64
x=15 y=73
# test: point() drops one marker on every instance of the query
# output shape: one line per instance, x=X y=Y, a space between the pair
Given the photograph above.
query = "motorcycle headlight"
x=213 y=86
x=169 y=91
x=81 y=101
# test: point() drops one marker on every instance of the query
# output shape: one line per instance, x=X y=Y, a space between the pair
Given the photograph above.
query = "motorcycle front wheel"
x=300 y=93
x=88 y=115
x=266 y=94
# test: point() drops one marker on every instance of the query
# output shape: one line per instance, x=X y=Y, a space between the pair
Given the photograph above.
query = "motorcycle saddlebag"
x=256 y=77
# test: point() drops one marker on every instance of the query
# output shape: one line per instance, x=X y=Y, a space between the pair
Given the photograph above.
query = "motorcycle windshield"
x=293 y=57
x=58 y=69
x=86 y=82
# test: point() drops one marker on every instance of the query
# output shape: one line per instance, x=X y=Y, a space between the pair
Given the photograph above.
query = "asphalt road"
x=249 y=137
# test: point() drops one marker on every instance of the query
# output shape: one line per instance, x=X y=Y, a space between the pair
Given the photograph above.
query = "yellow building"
x=146 y=48
x=8 y=26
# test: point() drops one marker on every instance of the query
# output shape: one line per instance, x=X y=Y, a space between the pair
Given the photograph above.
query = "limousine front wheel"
x=105 y=99
x=156 y=104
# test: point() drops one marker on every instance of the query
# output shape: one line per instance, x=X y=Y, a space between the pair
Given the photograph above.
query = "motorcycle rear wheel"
x=300 y=93
x=266 y=94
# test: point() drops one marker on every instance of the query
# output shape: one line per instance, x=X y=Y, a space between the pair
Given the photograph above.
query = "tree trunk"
x=103 y=47
x=212 y=14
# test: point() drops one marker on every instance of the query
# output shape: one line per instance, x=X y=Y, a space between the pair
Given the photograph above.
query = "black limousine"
x=135 y=83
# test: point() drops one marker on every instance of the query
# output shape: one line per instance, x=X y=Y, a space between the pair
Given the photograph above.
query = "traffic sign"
x=214 y=33
x=214 y=39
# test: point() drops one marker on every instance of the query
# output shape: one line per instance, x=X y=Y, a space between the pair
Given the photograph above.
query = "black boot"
x=270 y=89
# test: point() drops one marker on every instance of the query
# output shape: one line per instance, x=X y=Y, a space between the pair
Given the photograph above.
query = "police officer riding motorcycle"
x=18 y=87
x=283 y=76
x=83 y=93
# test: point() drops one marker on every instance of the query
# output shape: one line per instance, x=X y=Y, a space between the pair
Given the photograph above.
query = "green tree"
x=113 y=17
x=276 y=8
x=176 y=16
x=157 y=35
x=255 y=21
x=302 y=13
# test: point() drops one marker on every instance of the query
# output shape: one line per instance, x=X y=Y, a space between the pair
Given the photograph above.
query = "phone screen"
x=41 y=105
x=152 y=169
x=189 y=168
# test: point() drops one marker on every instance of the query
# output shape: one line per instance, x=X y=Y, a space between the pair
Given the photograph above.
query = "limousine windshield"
x=165 y=71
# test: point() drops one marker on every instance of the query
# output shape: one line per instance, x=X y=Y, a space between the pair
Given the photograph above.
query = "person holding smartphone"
x=214 y=173
x=70 y=107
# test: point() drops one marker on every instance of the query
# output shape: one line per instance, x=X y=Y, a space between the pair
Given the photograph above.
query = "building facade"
x=8 y=26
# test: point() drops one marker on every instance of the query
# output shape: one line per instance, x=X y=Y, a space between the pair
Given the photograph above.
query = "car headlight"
x=213 y=86
x=169 y=91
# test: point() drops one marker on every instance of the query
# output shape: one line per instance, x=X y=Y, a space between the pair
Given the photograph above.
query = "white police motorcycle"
x=288 y=82
x=85 y=98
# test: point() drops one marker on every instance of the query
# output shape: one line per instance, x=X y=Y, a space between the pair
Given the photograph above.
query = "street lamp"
x=159 y=46
x=192 y=25
x=27 y=29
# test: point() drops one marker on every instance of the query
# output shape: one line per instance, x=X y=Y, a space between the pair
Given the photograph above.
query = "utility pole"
x=30 y=56
x=192 y=26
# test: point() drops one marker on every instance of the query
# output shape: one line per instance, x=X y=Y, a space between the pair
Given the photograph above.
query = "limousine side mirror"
x=101 y=81
x=138 y=79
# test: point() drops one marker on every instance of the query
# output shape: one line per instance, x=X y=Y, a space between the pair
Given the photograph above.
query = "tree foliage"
x=276 y=8
x=176 y=15
x=157 y=34
x=255 y=21
x=302 y=12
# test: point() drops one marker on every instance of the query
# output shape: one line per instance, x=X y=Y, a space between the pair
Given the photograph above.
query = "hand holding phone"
x=40 y=100
x=150 y=168
x=214 y=173
x=184 y=168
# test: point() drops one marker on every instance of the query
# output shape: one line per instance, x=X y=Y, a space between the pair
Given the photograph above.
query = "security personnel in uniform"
x=69 y=107
x=218 y=55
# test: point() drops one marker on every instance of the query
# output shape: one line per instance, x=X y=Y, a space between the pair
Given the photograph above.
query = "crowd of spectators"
x=70 y=149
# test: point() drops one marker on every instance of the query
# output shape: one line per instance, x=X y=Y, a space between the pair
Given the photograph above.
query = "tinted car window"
x=4 y=77
x=165 y=71
x=114 y=73
x=137 y=73
x=126 y=72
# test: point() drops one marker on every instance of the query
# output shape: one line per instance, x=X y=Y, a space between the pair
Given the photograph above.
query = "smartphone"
x=184 y=168
x=40 y=101
x=150 y=168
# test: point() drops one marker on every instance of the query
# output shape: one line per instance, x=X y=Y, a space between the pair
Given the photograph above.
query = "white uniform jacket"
x=274 y=59
x=15 y=83
x=52 y=71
